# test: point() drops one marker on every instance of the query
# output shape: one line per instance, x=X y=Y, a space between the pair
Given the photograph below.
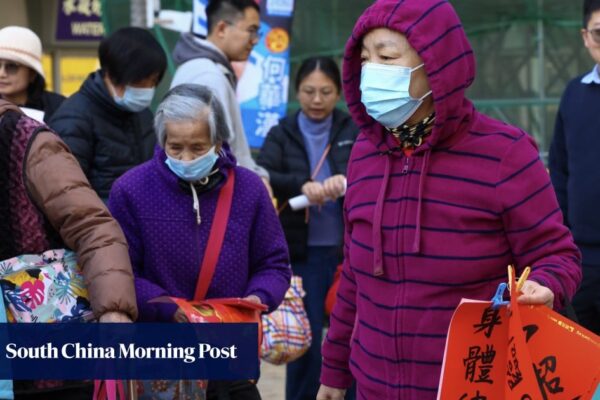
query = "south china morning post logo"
x=129 y=351
x=280 y=8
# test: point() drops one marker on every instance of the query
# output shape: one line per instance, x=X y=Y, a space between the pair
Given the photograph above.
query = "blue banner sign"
x=264 y=79
x=129 y=351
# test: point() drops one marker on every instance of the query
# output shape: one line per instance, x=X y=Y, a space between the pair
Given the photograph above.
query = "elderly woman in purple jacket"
x=166 y=207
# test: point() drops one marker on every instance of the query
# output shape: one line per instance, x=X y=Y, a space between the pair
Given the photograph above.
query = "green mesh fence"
x=526 y=50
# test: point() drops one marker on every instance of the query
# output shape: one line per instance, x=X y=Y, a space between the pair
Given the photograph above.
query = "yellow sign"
x=48 y=71
x=73 y=71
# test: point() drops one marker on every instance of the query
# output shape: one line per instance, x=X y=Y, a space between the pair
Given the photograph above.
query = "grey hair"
x=191 y=102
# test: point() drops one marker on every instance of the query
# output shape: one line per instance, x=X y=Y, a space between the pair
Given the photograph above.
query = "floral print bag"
x=47 y=287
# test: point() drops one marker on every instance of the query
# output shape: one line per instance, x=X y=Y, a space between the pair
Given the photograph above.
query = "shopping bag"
x=221 y=310
x=47 y=287
x=224 y=310
x=520 y=352
x=286 y=331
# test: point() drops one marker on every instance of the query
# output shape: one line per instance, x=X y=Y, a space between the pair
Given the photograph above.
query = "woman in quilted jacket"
x=50 y=204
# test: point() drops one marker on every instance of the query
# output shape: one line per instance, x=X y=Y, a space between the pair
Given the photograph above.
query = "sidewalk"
x=272 y=381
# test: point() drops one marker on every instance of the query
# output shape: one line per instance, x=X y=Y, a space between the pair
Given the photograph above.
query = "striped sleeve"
x=335 y=371
x=534 y=224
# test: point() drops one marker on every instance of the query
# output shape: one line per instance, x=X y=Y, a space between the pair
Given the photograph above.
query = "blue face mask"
x=135 y=99
x=194 y=170
x=384 y=92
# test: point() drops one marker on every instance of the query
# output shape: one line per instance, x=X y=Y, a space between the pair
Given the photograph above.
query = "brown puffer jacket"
x=60 y=190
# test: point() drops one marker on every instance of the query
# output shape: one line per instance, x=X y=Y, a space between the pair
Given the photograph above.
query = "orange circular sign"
x=277 y=40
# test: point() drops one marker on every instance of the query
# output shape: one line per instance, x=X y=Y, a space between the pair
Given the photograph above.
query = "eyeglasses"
x=595 y=33
x=10 y=67
x=253 y=32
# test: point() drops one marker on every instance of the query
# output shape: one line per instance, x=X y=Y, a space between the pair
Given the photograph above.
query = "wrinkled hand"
x=267 y=184
x=315 y=192
x=329 y=393
x=180 y=316
x=334 y=186
x=534 y=293
x=114 y=316
x=253 y=299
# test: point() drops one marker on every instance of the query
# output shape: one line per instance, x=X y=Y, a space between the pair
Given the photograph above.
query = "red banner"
x=517 y=353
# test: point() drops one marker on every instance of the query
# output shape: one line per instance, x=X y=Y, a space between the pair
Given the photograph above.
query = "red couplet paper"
x=519 y=352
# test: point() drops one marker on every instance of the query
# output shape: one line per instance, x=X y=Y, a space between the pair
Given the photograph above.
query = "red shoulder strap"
x=215 y=238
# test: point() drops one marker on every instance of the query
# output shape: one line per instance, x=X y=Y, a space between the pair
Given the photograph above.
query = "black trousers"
x=232 y=390
x=586 y=301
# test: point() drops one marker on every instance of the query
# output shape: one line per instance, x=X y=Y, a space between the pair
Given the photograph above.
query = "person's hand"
x=329 y=393
x=114 y=316
x=253 y=299
x=180 y=316
x=534 y=293
x=334 y=186
x=267 y=184
x=314 y=191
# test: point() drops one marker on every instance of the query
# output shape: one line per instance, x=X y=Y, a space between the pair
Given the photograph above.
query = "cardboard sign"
x=517 y=353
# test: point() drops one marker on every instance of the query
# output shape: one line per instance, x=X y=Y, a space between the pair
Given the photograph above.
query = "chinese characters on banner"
x=79 y=20
x=263 y=86
x=517 y=353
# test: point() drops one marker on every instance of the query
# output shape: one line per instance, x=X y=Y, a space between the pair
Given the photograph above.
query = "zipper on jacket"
x=405 y=168
x=405 y=184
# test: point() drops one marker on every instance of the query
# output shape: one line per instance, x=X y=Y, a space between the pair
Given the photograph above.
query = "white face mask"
x=385 y=93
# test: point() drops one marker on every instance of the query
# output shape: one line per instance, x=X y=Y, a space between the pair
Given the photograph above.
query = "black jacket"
x=106 y=139
x=48 y=102
x=284 y=155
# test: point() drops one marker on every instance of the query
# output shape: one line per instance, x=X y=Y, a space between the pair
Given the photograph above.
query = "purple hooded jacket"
x=166 y=245
x=424 y=231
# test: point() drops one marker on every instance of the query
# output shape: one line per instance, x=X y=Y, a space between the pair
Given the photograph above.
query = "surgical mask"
x=384 y=92
x=135 y=99
x=195 y=169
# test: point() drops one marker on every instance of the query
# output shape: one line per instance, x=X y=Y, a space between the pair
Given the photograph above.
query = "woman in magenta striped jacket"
x=440 y=200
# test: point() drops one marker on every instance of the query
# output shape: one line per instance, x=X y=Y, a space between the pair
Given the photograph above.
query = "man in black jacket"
x=107 y=123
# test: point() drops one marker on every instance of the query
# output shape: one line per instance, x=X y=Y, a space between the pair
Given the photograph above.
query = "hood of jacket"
x=434 y=30
x=189 y=47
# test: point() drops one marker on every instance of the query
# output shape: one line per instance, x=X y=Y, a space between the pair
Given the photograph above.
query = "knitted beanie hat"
x=23 y=46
